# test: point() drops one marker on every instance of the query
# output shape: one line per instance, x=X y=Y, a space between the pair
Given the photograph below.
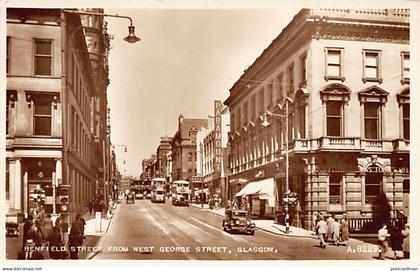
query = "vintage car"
x=129 y=198
x=238 y=221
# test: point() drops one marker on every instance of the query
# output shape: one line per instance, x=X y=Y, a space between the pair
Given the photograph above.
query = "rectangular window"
x=405 y=67
x=232 y=122
x=372 y=123
x=290 y=75
x=43 y=57
x=372 y=69
x=238 y=115
x=8 y=55
x=245 y=112
x=303 y=75
x=334 y=118
x=406 y=121
x=42 y=116
x=333 y=64
x=280 y=89
x=189 y=156
x=335 y=188
x=261 y=102
x=270 y=95
x=253 y=107
x=373 y=181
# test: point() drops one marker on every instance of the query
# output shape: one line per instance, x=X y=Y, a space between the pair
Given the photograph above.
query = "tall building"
x=51 y=89
x=344 y=76
x=98 y=45
x=212 y=155
x=184 y=153
x=161 y=156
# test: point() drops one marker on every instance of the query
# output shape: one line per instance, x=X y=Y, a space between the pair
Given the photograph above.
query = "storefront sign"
x=217 y=135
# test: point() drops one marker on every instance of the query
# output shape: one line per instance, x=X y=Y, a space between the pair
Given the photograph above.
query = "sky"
x=186 y=59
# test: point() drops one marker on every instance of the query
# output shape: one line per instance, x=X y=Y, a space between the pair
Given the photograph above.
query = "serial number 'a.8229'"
x=363 y=249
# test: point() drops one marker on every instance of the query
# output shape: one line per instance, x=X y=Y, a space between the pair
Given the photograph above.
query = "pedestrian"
x=26 y=227
x=345 y=230
x=83 y=222
x=315 y=219
x=330 y=221
x=336 y=231
x=321 y=227
x=55 y=244
x=77 y=227
x=47 y=227
x=90 y=206
x=383 y=242
x=74 y=243
x=396 y=240
x=406 y=241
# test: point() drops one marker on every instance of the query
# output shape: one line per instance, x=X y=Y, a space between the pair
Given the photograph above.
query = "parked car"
x=139 y=196
x=129 y=198
x=238 y=221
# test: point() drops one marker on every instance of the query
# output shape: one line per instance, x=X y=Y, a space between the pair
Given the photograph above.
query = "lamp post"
x=131 y=38
x=286 y=183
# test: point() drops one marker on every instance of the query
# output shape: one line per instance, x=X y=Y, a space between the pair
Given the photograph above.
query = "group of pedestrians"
x=40 y=233
x=331 y=229
x=398 y=236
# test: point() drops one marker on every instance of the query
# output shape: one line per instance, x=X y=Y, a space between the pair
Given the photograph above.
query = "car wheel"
x=252 y=232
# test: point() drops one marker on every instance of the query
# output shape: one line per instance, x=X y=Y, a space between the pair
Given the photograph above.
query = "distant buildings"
x=56 y=111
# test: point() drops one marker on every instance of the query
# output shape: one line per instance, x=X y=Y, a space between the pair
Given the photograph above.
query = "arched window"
x=334 y=97
x=404 y=104
x=373 y=100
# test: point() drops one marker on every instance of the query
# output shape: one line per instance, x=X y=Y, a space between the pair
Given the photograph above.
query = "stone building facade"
x=344 y=75
x=50 y=99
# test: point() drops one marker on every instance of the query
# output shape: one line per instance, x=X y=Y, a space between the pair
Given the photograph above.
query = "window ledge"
x=341 y=78
x=368 y=79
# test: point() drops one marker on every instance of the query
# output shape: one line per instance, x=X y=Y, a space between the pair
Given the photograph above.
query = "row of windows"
x=42 y=107
x=372 y=186
x=79 y=136
x=373 y=119
x=284 y=84
x=42 y=56
x=43 y=61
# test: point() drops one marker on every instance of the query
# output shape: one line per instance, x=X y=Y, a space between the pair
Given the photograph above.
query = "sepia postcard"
x=241 y=133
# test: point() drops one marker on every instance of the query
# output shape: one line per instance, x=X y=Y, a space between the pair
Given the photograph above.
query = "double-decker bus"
x=181 y=192
x=158 y=190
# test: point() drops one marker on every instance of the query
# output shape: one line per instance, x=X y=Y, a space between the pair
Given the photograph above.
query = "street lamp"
x=131 y=38
x=286 y=183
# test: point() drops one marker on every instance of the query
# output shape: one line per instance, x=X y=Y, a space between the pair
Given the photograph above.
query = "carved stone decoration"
x=365 y=162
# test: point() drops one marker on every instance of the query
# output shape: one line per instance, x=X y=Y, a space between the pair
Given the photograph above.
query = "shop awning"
x=264 y=189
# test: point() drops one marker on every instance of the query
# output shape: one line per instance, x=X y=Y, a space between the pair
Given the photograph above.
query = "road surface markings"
x=166 y=232
x=236 y=238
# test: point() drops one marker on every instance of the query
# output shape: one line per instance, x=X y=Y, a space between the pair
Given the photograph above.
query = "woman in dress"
x=345 y=230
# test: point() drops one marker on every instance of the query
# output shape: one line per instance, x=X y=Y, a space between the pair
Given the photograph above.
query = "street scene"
x=136 y=134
